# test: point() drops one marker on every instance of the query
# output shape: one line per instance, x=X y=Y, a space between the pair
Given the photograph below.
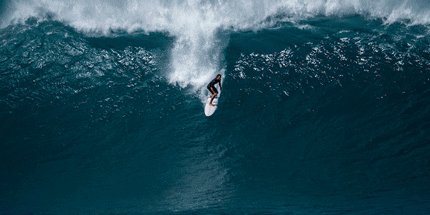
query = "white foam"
x=178 y=16
x=199 y=25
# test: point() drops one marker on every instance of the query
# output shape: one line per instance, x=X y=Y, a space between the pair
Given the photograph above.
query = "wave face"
x=324 y=109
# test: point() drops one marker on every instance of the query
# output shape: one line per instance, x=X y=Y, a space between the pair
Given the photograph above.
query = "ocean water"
x=325 y=107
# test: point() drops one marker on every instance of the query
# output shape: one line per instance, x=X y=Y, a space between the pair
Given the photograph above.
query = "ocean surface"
x=324 y=109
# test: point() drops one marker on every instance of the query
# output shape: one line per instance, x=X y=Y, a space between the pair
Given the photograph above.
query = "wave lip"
x=171 y=15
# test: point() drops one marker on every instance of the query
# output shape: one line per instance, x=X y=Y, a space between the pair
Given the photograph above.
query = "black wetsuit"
x=212 y=85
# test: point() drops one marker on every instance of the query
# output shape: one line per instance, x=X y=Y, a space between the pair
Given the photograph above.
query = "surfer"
x=212 y=89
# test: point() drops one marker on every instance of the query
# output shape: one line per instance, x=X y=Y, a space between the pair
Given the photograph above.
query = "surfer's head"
x=218 y=76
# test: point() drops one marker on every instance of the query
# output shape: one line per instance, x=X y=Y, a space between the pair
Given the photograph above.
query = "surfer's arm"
x=220 y=85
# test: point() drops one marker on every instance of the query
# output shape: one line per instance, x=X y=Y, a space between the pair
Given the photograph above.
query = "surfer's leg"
x=212 y=98
x=211 y=90
x=214 y=93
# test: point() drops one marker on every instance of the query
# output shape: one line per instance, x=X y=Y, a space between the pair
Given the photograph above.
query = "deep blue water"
x=320 y=114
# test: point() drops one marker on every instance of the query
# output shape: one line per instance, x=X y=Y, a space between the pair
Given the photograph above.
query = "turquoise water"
x=324 y=109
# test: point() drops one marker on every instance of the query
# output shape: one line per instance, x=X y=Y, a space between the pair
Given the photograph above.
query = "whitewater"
x=324 y=109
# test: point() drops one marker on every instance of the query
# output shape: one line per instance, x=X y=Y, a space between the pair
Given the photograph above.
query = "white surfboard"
x=209 y=109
